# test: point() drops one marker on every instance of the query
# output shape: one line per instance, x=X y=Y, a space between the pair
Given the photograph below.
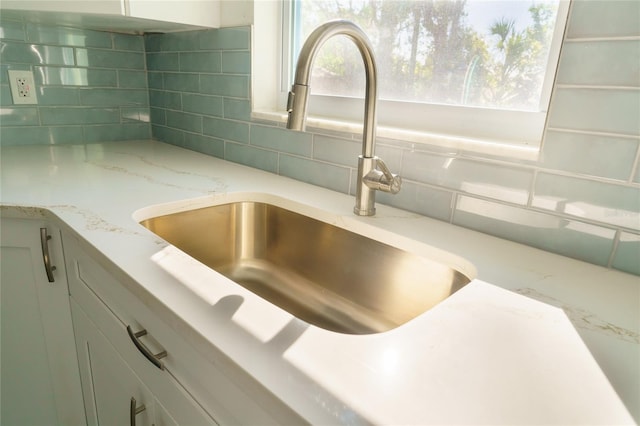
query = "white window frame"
x=508 y=133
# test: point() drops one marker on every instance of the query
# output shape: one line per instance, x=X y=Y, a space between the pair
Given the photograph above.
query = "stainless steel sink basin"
x=322 y=274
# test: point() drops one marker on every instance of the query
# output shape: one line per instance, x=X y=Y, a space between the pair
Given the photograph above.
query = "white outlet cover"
x=23 y=88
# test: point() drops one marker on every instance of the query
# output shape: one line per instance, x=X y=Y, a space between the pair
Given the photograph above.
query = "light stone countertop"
x=487 y=354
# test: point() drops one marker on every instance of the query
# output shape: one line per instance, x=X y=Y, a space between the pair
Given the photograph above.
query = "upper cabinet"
x=123 y=15
x=201 y=13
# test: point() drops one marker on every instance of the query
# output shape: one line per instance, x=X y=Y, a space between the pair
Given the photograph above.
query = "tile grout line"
x=635 y=169
x=614 y=248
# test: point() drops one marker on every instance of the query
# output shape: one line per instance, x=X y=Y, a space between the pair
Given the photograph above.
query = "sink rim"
x=364 y=226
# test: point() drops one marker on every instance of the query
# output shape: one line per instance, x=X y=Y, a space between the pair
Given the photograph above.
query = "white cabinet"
x=108 y=382
x=189 y=12
x=114 y=393
x=121 y=386
x=39 y=369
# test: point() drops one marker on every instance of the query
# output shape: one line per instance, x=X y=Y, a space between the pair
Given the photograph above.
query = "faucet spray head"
x=297 y=106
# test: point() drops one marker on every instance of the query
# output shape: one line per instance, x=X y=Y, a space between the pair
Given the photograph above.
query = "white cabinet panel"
x=188 y=12
x=39 y=368
x=191 y=12
x=112 y=369
x=107 y=381
x=102 y=6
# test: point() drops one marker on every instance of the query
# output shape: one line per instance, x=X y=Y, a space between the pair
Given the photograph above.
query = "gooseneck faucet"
x=373 y=173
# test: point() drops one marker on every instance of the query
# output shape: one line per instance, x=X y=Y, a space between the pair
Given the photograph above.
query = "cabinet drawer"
x=112 y=308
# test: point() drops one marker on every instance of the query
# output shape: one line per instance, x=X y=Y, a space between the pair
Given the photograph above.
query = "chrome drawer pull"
x=153 y=358
x=134 y=410
x=44 y=242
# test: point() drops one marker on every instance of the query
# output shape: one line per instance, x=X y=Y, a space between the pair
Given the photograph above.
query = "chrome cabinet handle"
x=135 y=410
x=44 y=243
x=153 y=358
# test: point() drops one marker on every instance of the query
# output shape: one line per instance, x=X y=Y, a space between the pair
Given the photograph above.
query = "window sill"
x=437 y=141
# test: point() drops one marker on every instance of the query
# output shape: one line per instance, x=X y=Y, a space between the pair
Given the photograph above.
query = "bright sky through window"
x=480 y=53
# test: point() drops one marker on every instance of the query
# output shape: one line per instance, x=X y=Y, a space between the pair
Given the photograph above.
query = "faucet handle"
x=383 y=180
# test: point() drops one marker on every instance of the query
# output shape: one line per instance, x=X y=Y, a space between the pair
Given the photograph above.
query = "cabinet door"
x=39 y=369
x=107 y=381
x=113 y=371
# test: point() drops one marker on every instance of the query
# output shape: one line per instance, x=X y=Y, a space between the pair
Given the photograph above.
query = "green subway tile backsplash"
x=236 y=86
x=236 y=62
x=41 y=135
x=19 y=116
x=251 y=156
x=91 y=85
x=48 y=95
x=128 y=42
x=602 y=18
x=298 y=143
x=103 y=58
x=16 y=52
x=484 y=179
x=208 y=62
x=163 y=61
x=202 y=104
x=5 y=95
x=173 y=42
x=115 y=132
x=571 y=238
x=237 y=109
x=613 y=204
x=336 y=151
x=155 y=80
x=114 y=97
x=316 y=173
x=132 y=79
x=615 y=63
x=158 y=116
x=64 y=36
x=184 y=121
x=168 y=134
x=76 y=76
x=599 y=110
x=225 y=129
x=422 y=199
x=181 y=82
x=12 y=30
x=164 y=99
x=234 y=38
x=205 y=144
x=73 y=115
x=138 y=114
x=603 y=156
x=627 y=258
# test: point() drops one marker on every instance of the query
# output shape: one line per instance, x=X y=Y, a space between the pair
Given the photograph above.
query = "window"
x=459 y=71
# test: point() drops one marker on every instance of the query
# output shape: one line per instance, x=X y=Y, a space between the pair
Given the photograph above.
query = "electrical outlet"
x=23 y=89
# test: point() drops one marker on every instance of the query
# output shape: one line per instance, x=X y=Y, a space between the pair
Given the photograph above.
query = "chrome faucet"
x=373 y=173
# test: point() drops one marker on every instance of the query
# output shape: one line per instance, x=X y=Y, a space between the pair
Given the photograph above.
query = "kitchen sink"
x=323 y=274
